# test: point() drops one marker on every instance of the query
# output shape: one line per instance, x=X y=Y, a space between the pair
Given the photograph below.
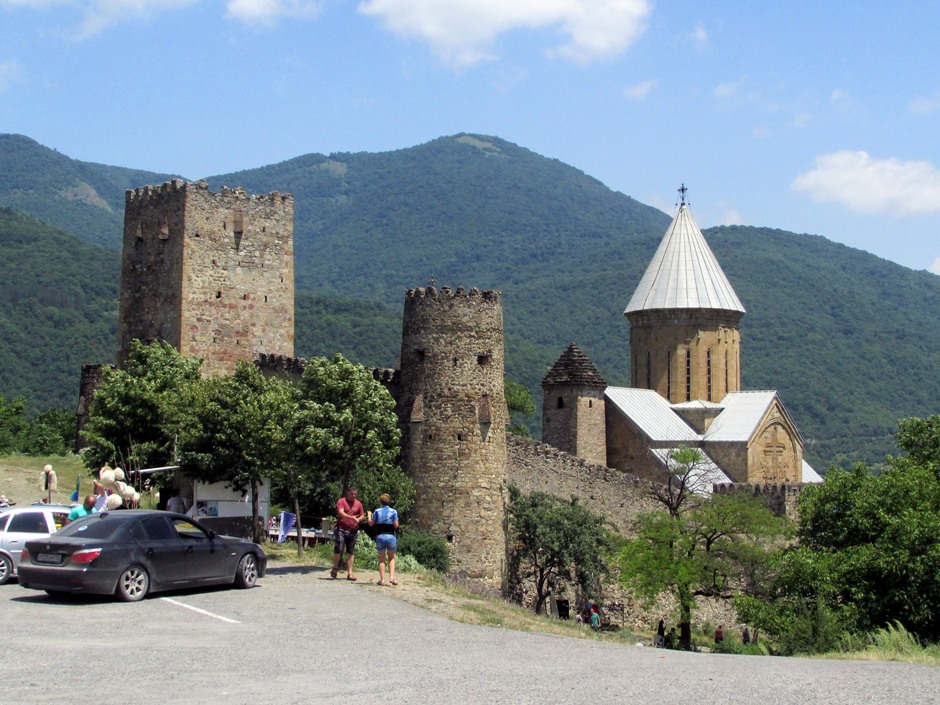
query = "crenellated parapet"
x=281 y=365
x=781 y=498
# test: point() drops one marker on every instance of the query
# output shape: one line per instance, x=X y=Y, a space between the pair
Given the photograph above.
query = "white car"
x=21 y=524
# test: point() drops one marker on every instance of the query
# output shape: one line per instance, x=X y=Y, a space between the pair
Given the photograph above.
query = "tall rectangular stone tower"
x=210 y=273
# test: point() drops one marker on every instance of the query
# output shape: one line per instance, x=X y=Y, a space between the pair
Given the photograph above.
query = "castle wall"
x=660 y=341
x=210 y=273
x=453 y=410
x=616 y=495
x=575 y=424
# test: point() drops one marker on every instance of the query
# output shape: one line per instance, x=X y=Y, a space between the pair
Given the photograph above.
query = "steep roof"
x=652 y=414
x=684 y=273
x=575 y=368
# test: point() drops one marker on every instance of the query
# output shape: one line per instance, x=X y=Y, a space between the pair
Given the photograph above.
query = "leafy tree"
x=138 y=411
x=13 y=425
x=51 y=433
x=869 y=552
x=240 y=433
x=347 y=432
x=520 y=404
x=717 y=548
x=553 y=538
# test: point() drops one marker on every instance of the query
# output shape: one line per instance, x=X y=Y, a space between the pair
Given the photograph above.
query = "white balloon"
x=129 y=492
x=118 y=474
x=106 y=476
x=114 y=501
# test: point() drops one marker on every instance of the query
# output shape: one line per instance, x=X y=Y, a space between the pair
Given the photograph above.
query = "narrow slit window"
x=688 y=374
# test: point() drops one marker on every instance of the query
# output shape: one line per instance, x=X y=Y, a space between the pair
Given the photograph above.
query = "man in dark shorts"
x=349 y=513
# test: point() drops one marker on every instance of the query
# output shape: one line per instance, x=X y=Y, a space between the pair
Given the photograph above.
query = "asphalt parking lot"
x=300 y=637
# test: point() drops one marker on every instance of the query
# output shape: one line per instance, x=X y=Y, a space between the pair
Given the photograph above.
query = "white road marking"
x=200 y=611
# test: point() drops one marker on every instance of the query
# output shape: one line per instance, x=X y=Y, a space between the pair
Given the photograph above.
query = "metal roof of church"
x=684 y=273
x=652 y=414
x=743 y=412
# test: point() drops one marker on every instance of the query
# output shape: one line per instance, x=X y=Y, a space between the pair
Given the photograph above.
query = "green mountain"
x=58 y=310
x=847 y=338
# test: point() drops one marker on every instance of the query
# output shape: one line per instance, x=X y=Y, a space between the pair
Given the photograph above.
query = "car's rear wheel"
x=133 y=584
x=6 y=569
x=247 y=574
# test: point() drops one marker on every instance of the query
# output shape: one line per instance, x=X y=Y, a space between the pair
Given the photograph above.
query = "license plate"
x=50 y=558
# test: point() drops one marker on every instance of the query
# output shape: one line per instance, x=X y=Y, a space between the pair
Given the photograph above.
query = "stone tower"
x=453 y=411
x=685 y=339
x=573 y=412
x=210 y=273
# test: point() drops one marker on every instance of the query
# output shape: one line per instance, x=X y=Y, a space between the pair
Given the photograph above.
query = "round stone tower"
x=453 y=410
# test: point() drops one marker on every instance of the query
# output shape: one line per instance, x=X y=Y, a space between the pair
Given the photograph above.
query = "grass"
x=892 y=643
x=19 y=477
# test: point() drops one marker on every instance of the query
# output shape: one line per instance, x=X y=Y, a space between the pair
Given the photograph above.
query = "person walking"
x=349 y=513
x=385 y=521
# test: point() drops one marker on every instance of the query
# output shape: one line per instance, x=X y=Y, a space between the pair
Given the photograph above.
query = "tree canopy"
x=554 y=539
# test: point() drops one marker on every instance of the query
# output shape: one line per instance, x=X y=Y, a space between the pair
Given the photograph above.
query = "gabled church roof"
x=742 y=415
x=575 y=368
x=652 y=415
x=684 y=273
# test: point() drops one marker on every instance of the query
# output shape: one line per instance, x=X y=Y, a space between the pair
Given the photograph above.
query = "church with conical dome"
x=685 y=371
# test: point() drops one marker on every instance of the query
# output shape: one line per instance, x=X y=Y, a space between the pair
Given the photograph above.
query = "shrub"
x=430 y=550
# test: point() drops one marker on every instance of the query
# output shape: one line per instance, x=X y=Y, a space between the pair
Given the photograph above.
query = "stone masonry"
x=210 y=273
x=452 y=408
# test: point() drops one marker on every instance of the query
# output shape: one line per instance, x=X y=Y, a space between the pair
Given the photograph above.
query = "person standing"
x=349 y=513
x=385 y=520
x=719 y=635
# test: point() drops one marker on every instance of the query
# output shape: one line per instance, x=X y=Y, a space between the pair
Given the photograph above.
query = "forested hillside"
x=849 y=339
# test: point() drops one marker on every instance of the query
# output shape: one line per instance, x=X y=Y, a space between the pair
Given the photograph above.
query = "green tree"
x=520 y=404
x=239 y=432
x=138 y=411
x=868 y=554
x=698 y=547
x=51 y=433
x=347 y=432
x=13 y=425
x=552 y=539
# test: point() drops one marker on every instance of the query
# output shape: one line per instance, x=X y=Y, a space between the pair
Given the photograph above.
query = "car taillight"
x=86 y=555
x=24 y=556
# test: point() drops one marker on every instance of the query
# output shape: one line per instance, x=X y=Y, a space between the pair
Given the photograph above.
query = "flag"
x=287 y=523
x=78 y=484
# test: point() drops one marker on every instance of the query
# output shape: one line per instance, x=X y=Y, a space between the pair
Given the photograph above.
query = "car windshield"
x=93 y=527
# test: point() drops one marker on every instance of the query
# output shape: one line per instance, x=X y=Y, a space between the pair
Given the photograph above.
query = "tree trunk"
x=256 y=525
x=300 y=531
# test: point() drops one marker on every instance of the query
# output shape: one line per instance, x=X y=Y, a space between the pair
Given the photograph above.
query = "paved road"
x=302 y=638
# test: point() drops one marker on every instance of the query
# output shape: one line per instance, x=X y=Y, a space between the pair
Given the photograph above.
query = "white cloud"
x=925 y=106
x=99 y=15
x=462 y=31
x=267 y=12
x=935 y=267
x=640 y=90
x=726 y=90
x=700 y=36
x=732 y=217
x=9 y=73
x=868 y=185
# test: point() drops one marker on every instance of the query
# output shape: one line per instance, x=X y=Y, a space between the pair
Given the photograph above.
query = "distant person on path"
x=746 y=636
x=661 y=634
x=84 y=509
x=385 y=520
x=671 y=638
x=719 y=635
x=595 y=618
x=349 y=513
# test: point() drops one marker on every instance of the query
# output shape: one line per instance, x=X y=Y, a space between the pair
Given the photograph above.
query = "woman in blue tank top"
x=385 y=519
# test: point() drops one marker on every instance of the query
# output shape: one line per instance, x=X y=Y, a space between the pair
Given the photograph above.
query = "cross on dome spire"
x=682 y=192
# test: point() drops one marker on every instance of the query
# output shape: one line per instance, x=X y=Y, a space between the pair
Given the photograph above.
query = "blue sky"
x=816 y=117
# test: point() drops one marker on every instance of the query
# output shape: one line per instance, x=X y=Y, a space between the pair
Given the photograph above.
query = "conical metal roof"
x=684 y=273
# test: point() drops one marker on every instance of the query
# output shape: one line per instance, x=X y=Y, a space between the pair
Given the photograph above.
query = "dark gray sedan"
x=130 y=553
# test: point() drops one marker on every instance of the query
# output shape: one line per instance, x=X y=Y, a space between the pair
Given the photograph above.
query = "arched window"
x=727 y=388
x=649 y=370
x=708 y=373
x=669 y=375
x=561 y=402
x=688 y=374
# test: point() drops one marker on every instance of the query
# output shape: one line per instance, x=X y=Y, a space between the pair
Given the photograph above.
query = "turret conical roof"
x=684 y=273
x=574 y=368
